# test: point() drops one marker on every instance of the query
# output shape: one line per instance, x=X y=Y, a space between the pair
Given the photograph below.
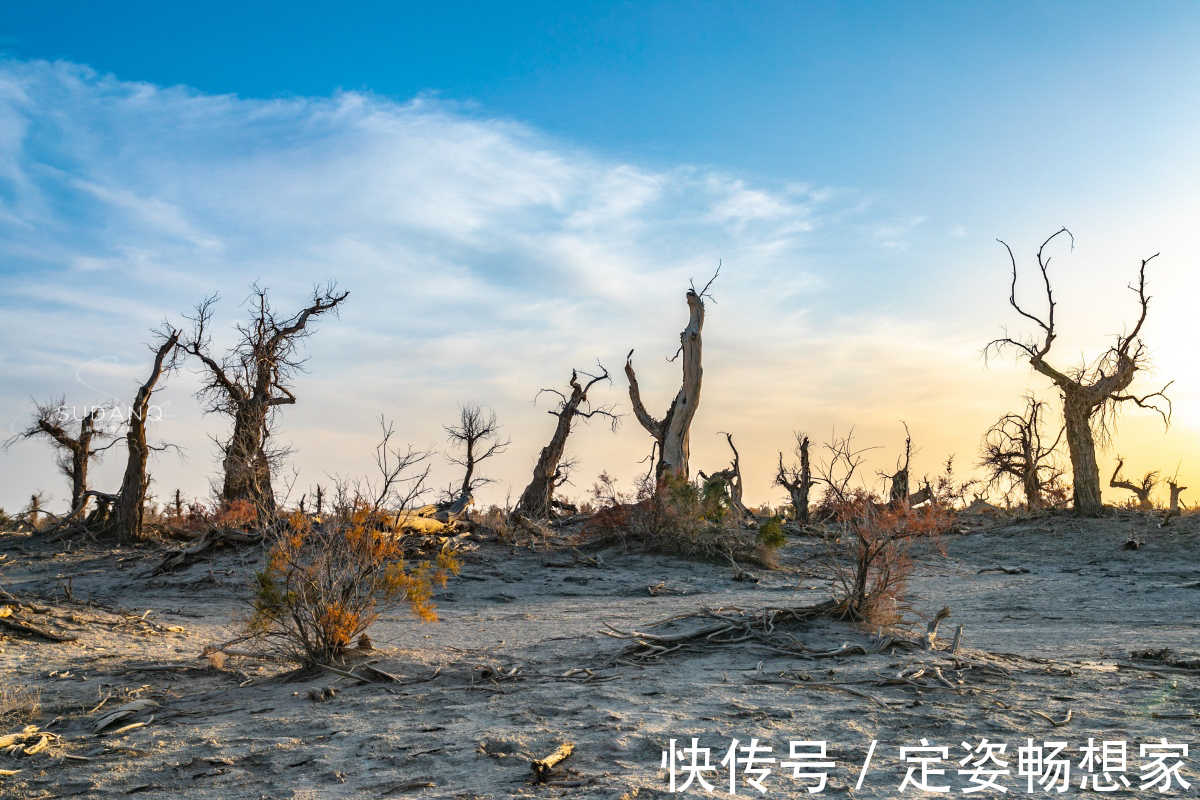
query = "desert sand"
x=1052 y=610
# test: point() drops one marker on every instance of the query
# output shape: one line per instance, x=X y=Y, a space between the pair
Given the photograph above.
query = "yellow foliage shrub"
x=324 y=585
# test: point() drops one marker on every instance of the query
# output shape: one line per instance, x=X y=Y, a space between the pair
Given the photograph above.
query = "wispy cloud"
x=484 y=260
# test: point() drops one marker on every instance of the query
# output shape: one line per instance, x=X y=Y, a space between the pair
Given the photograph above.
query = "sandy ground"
x=1037 y=646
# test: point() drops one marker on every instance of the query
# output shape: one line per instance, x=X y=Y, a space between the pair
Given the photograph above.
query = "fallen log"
x=177 y=559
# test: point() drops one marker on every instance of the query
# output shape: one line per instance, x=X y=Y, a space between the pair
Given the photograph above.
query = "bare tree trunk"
x=549 y=473
x=1176 y=490
x=130 y=505
x=672 y=432
x=535 y=500
x=1085 y=472
x=898 y=495
x=799 y=482
x=1029 y=473
x=246 y=466
x=81 y=456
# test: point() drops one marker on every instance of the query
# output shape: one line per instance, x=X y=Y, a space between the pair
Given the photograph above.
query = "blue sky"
x=513 y=190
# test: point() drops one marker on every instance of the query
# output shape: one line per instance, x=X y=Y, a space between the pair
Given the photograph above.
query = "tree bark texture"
x=537 y=499
x=672 y=432
x=130 y=505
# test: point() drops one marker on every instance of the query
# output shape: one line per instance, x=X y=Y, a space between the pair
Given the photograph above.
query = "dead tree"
x=1140 y=490
x=797 y=480
x=477 y=434
x=837 y=470
x=1091 y=393
x=249 y=384
x=75 y=452
x=671 y=433
x=1176 y=490
x=899 y=482
x=731 y=480
x=1015 y=451
x=129 y=504
x=401 y=482
x=536 y=501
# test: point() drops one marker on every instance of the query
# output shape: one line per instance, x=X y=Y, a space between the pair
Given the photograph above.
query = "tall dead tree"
x=1091 y=393
x=1015 y=452
x=129 y=504
x=1140 y=490
x=477 y=434
x=536 y=501
x=671 y=433
x=249 y=383
x=797 y=479
x=50 y=420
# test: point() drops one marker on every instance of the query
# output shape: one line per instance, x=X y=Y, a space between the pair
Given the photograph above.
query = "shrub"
x=770 y=533
x=195 y=519
x=681 y=518
x=871 y=559
x=323 y=586
x=18 y=705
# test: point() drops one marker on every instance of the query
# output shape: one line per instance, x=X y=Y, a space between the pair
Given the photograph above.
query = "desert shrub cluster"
x=692 y=519
x=324 y=584
x=871 y=552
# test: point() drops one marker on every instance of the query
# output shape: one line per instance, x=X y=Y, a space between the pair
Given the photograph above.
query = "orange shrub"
x=872 y=560
x=323 y=586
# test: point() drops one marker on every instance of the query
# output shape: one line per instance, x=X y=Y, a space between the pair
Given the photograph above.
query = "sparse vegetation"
x=324 y=584
x=682 y=517
x=770 y=533
x=871 y=558
x=19 y=705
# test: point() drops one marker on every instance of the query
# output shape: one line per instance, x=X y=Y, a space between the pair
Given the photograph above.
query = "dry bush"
x=499 y=521
x=19 y=705
x=196 y=519
x=323 y=585
x=682 y=518
x=871 y=558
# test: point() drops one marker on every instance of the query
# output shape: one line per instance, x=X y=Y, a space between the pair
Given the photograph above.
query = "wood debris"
x=127 y=711
x=542 y=767
x=28 y=742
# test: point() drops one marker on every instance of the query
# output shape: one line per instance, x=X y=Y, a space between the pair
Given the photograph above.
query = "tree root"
x=733 y=626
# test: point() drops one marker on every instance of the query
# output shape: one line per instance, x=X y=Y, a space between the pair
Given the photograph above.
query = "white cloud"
x=484 y=262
